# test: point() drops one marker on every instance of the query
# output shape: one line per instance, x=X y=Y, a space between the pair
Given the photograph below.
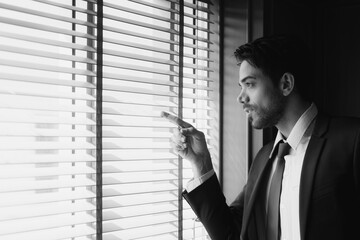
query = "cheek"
x=261 y=99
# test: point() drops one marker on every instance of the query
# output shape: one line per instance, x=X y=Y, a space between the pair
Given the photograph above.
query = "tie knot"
x=283 y=149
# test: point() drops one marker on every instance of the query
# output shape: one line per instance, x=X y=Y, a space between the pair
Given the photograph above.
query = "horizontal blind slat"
x=140 y=13
x=26 y=172
x=53 y=233
x=24 y=185
x=139 y=35
x=197 y=7
x=138 y=166
x=69 y=7
x=136 y=102
x=64 y=95
x=45 y=14
x=139 y=46
x=197 y=38
x=46 y=146
x=49 y=81
x=45 y=67
x=147 y=231
x=198 y=77
x=204 y=19
x=17 y=118
x=46 y=107
x=39 y=53
x=108 y=157
x=47 y=41
x=140 y=91
x=141 y=24
x=149 y=4
x=139 y=57
x=135 y=79
x=45 y=28
x=120 y=133
x=41 y=223
x=139 y=188
x=199 y=57
x=139 y=210
x=197 y=28
x=18 y=158
x=138 y=199
x=122 y=178
x=45 y=133
x=136 y=222
x=138 y=68
x=11 y=199
x=44 y=209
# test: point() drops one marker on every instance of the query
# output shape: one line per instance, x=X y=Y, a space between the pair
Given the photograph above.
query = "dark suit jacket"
x=329 y=190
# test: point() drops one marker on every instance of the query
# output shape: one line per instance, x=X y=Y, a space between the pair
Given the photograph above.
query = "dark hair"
x=277 y=55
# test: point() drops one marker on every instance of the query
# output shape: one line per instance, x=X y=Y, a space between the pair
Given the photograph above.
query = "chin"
x=261 y=123
x=255 y=123
x=257 y=126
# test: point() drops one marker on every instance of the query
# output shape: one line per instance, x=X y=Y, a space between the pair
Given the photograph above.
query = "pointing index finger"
x=175 y=120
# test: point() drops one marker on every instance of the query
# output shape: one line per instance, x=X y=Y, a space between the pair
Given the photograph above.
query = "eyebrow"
x=246 y=78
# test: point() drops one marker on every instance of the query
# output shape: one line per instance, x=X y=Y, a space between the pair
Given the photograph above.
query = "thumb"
x=191 y=131
x=188 y=131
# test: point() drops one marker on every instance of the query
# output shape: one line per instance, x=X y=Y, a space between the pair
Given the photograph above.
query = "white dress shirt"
x=298 y=140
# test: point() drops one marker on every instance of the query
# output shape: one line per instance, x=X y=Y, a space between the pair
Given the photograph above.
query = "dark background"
x=332 y=30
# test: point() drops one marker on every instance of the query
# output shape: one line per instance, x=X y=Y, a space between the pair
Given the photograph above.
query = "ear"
x=287 y=83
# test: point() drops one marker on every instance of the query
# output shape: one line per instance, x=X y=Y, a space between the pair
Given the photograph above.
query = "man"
x=311 y=192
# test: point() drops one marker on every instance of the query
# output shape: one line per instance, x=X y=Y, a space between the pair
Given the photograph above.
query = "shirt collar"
x=299 y=128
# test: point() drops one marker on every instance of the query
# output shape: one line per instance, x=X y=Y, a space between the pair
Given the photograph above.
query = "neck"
x=294 y=108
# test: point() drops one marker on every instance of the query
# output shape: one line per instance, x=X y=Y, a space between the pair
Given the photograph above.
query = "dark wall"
x=341 y=73
x=332 y=30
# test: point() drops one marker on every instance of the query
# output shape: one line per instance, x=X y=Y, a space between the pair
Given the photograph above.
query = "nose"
x=242 y=98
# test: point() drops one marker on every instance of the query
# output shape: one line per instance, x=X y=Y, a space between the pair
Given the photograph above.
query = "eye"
x=249 y=84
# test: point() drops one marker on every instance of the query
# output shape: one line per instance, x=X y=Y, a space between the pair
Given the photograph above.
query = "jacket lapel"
x=253 y=184
x=311 y=159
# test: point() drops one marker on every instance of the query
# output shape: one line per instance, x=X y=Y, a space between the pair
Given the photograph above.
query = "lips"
x=247 y=108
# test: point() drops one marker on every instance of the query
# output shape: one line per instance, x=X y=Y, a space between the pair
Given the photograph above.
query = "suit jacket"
x=329 y=190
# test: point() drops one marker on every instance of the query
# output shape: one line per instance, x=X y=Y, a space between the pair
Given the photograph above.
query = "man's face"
x=262 y=101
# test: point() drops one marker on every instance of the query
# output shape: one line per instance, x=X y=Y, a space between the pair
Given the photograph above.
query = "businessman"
x=303 y=185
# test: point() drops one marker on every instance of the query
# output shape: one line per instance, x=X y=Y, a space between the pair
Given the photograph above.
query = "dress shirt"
x=298 y=140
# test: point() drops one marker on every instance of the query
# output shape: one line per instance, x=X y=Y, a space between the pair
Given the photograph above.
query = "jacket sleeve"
x=221 y=221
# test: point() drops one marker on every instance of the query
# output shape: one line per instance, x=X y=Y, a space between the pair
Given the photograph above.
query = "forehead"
x=246 y=70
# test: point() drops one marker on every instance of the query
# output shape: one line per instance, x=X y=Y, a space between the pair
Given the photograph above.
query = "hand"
x=190 y=144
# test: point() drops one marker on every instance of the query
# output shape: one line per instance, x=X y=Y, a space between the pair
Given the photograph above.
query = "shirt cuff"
x=196 y=182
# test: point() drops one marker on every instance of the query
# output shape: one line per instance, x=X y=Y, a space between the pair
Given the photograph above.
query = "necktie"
x=273 y=219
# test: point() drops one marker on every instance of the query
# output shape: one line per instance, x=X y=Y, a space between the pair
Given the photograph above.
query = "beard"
x=269 y=115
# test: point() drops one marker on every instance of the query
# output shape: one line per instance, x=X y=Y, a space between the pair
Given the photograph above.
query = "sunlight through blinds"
x=84 y=153
x=145 y=45
x=47 y=126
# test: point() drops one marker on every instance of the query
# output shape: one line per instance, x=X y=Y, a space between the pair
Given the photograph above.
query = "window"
x=84 y=153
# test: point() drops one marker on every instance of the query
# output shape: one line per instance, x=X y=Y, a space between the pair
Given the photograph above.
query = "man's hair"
x=277 y=55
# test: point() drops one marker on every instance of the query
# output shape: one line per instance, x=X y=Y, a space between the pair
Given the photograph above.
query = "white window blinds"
x=47 y=126
x=84 y=153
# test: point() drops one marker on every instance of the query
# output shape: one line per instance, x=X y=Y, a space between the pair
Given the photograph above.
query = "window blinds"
x=55 y=174
x=47 y=124
x=155 y=59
